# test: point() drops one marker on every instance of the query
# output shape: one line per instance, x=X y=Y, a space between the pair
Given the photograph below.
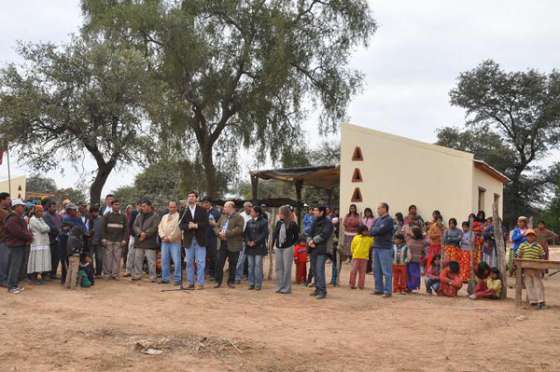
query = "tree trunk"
x=209 y=172
x=103 y=172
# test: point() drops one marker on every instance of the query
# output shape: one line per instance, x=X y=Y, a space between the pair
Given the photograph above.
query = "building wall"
x=492 y=186
x=401 y=172
x=18 y=187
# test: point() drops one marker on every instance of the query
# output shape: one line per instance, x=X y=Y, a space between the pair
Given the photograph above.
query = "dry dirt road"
x=107 y=328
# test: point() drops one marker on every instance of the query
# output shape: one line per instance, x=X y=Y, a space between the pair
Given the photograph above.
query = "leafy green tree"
x=41 y=184
x=523 y=108
x=238 y=72
x=84 y=97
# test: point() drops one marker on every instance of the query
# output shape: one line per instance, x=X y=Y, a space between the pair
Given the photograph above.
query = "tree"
x=488 y=146
x=523 y=108
x=238 y=72
x=85 y=97
x=40 y=184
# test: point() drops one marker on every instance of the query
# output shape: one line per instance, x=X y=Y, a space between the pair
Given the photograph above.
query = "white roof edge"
x=425 y=145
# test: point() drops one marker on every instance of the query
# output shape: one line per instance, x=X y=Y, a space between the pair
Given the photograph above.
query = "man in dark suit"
x=230 y=232
x=195 y=232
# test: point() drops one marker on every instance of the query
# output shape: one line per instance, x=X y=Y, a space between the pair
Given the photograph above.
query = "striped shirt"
x=530 y=251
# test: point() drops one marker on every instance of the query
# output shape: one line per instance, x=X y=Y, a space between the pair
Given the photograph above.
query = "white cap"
x=17 y=202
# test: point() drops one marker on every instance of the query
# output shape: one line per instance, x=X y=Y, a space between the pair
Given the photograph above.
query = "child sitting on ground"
x=432 y=276
x=531 y=250
x=400 y=259
x=490 y=287
x=450 y=281
x=361 y=244
x=300 y=259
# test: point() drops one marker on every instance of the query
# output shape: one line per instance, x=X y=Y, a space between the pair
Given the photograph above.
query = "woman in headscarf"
x=39 y=261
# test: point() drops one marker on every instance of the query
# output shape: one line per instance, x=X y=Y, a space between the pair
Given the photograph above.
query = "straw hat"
x=530 y=232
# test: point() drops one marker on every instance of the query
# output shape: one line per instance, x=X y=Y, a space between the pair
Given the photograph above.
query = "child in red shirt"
x=450 y=280
x=300 y=259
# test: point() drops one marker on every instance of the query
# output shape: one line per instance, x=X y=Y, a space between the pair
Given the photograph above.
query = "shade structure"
x=325 y=176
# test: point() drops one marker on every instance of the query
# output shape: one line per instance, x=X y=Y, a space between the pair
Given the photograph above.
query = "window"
x=481 y=196
x=357 y=176
x=497 y=200
x=19 y=188
x=357 y=196
x=357 y=155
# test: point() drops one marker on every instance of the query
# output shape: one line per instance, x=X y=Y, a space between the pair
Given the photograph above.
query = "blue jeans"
x=170 y=251
x=320 y=280
x=240 y=264
x=383 y=270
x=255 y=271
x=198 y=253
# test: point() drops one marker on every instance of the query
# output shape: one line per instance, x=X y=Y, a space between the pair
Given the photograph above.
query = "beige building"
x=18 y=187
x=376 y=167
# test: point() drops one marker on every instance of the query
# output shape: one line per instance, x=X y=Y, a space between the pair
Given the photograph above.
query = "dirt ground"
x=110 y=327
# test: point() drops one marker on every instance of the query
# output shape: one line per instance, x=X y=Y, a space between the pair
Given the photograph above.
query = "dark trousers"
x=312 y=263
x=232 y=258
x=98 y=252
x=23 y=264
x=320 y=279
x=15 y=259
x=211 y=257
x=4 y=254
x=55 y=258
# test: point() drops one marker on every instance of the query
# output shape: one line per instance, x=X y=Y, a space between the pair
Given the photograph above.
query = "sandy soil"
x=106 y=328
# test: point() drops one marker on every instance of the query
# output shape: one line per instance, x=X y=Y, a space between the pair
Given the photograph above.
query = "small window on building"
x=481 y=197
x=357 y=196
x=357 y=155
x=357 y=176
x=19 y=188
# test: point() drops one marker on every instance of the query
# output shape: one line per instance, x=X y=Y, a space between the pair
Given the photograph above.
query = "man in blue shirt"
x=382 y=231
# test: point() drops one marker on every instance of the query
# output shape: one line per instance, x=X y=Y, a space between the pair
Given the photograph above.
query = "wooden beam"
x=255 y=188
x=299 y=188
x=521 y=264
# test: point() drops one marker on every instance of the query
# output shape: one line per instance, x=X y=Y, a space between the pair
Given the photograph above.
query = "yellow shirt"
x=361 y=245
x=496 y=285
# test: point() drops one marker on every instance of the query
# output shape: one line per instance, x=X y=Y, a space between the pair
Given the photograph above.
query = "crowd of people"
x=91 y=243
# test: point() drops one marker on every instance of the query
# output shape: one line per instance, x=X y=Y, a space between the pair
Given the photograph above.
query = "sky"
x=410 y=65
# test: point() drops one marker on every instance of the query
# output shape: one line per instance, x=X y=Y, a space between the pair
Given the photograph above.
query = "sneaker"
x=251 y=287
x=217 y=285
x=14 y=290
x=387 y=295
x=258 y=288
x=321 y=296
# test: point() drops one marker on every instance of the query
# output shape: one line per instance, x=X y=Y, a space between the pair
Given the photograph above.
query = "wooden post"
x=255 y=188
x=500 y=248
x=472 y=280
x=299 y=187
x=518 y=286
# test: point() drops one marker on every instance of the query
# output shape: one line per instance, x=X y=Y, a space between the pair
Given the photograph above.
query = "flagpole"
x=9 y=173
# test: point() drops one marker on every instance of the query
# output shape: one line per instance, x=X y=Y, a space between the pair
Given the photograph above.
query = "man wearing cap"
x=5 y=204
x=114 y=232
x=17 y=237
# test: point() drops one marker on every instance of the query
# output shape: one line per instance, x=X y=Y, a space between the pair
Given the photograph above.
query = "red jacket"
x=16 y=233
x=449 y=290
x=300 y=253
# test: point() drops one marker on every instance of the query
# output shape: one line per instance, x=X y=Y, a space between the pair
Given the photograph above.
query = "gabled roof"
x=491 y=171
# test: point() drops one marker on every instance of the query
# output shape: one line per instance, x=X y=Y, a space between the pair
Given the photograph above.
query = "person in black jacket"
x=256 y=236
x=195 y=232
x=74 y=249
x=285 y=237
x=318 y=241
